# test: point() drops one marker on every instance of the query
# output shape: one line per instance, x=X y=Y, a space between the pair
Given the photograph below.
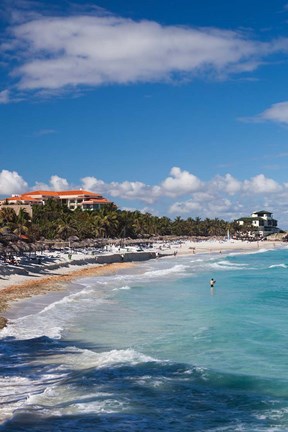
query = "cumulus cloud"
x=227 y=184
x=127 y=190
x=207 y=204
x=209 y=199
x=59 y=183
x=177 y=184
x=261 y=184
x=189 y=206
x=92 y=183
x=11 y=183
x=277 y=113
x=180 y=182
x=92 y=50
x=55 y=183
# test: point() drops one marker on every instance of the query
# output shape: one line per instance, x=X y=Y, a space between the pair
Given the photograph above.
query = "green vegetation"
x=54 y=221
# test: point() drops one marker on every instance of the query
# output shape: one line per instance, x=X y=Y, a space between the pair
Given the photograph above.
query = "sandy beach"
x=28 y=279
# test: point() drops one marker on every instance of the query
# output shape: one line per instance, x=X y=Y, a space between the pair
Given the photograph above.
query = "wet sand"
x=42 y=285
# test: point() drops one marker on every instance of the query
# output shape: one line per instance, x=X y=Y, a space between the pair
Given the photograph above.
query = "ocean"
x=153 y=348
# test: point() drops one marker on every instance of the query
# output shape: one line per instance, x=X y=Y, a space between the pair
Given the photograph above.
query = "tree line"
x=55 y=221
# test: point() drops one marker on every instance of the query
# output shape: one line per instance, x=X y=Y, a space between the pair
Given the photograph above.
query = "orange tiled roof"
x=40 y=192
x=22 y=198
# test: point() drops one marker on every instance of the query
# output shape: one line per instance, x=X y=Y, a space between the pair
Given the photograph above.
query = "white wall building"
x=262 y=221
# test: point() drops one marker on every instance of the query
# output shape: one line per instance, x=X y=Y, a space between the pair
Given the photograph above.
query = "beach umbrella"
x=8 y=250
x=89 y=242
x=32 y=247
x=14 y=247
x=23 y=246
x=37 y=246
x=73 y=239
x=77 y=244
x=59 y=244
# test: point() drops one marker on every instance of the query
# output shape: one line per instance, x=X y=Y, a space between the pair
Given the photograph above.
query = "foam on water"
x=126 y=287
x=278 y=265
x=155 y=349
x=179 y=268
x=51 y=320
x=226 y=265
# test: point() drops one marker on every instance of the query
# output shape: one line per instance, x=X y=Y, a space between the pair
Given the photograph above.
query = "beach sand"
x=17 y=286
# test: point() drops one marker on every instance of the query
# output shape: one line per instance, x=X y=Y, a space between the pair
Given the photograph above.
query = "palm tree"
x=17 y=223
x=109 y=222
x=22 y=222
x=65 y=228
x=7 y=215
x=164 y=226
x=178 y=226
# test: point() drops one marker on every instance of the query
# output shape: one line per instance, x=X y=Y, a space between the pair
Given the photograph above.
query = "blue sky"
x=175 y=107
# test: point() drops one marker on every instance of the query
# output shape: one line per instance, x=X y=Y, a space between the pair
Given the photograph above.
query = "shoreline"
x=49 y=278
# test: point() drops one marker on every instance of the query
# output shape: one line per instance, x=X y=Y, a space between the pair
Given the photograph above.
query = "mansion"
x=261 y=221
x=73 y=199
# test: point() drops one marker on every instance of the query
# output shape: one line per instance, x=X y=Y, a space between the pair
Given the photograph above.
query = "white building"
x=262 y=222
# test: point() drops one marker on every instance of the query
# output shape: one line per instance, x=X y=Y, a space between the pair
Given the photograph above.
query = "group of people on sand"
x=10 y=260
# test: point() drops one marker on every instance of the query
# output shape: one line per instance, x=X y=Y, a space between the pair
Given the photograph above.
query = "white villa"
x=262 y=221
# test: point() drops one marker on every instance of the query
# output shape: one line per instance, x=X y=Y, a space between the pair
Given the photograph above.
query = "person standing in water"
x=212 y=283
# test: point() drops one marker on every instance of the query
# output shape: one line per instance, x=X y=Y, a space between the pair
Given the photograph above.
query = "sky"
x=172 y=107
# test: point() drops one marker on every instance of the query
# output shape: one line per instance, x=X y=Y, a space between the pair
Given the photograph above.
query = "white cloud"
x=180 y=182
x=4 y=96
x=40 y=186
x=55 y=183
x=226 y=184
x=130 y=190
x=210 y=205
x=203 y=196
x=261 y=184
x=11 y=183
x=127 y=190
x=86 y=50
x=58 y=183
x=219 y=206
x=211 y=194
x=277 y=113
x=185 y=207
x=92 y=183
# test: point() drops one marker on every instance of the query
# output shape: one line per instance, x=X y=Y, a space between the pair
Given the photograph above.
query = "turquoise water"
x=152 y=348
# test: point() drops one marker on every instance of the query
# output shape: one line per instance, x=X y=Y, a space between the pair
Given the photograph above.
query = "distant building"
x=16 y=208
x=73 y=199
x=262 y=222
